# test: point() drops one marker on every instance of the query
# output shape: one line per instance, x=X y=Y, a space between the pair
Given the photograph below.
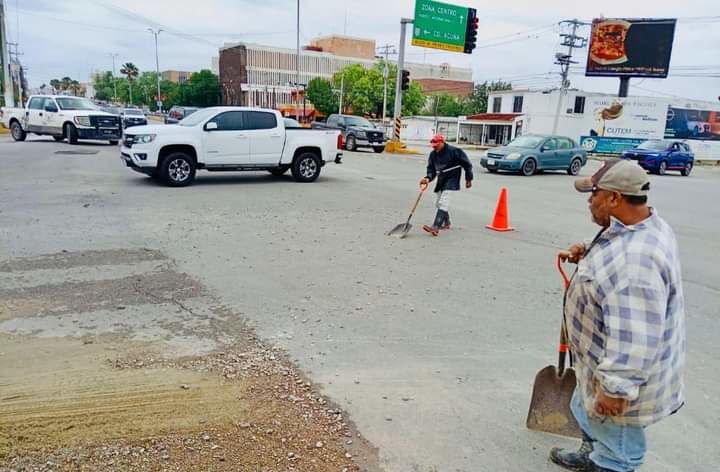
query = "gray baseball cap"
x=617 y=175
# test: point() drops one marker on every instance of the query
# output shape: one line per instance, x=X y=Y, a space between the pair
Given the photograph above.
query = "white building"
x=600 y=121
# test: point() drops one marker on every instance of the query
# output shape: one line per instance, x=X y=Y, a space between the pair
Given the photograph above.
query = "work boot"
x=446 y=220
x=439 y=219
x=578 y=460
x=431 y=229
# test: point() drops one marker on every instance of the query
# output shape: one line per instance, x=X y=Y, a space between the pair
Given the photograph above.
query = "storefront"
x=489 y=129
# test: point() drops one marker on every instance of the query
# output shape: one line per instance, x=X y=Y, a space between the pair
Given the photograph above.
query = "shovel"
x=553 y=389
x=401 y=230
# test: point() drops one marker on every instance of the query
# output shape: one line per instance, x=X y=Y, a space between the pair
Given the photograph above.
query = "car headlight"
x=144 y=138
x=513 y=156
x=82 y=120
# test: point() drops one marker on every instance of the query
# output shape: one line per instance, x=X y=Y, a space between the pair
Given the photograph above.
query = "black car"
x=178 y=113
x=133 y=117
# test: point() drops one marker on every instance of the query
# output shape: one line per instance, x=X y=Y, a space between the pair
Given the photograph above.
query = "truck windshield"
x=358 y=121
x=133 y=111
x=75 y=103
x=198 y=117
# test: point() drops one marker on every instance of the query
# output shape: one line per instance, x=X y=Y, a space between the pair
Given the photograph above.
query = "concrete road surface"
x=431 y=344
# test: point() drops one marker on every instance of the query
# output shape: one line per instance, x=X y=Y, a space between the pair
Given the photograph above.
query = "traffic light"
x=405 y=84
x=471 y=31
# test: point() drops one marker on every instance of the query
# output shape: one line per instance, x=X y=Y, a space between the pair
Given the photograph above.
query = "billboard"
x=689 y=123
x=604 y=145
x=630 y=47
x=613 y=117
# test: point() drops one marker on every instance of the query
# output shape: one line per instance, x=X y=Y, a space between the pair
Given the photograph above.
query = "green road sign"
x=439 y=25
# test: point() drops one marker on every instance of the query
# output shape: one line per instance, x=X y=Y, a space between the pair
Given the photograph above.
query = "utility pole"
x=5 y=61
x=297 y=63
x=157 y=67
x=572 y=41
x=397 y=113
x=114 y=56
x=386 y=75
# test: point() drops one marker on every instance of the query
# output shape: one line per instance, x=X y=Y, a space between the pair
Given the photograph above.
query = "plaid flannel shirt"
x=626 y=320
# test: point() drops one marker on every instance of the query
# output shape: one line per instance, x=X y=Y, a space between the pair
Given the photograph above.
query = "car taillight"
x=340 y=141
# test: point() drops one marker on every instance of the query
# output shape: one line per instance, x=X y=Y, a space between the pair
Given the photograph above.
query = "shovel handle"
x=563 y=348
x=563 y=274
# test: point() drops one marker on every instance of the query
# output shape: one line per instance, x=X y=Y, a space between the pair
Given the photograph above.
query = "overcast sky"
x=517 y=40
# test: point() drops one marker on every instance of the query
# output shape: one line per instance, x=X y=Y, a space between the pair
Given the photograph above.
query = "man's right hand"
x=573 y=254
x=424 y=181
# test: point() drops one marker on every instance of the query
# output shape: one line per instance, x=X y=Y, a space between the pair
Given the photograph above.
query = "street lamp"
x=114 y=56
x=157 y=67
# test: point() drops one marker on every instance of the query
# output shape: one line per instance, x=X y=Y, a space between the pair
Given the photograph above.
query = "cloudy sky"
x=517 y=40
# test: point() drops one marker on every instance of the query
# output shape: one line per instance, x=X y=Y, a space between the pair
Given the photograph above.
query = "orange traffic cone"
x=500 y=220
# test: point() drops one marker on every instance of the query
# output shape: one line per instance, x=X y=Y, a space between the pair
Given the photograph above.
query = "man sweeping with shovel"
x=626 y=323
x=446 y=163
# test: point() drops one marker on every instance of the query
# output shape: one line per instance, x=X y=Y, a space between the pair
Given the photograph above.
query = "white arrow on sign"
x=461 y=18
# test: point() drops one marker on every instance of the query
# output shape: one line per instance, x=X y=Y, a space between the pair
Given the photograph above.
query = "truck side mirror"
x=211 y=125
x=51 y=109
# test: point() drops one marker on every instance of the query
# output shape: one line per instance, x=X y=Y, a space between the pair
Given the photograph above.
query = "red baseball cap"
x=438 y=138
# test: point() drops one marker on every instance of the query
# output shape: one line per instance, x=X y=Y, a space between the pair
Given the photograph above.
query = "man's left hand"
x=468 y=183
x=609 y=406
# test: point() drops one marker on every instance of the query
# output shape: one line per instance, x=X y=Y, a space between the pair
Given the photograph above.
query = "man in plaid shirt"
x=626 y=323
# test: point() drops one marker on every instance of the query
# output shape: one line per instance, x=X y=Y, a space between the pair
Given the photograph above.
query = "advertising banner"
x=640 y=118
x=604 y=145
x=630 y=47
x=686 y=123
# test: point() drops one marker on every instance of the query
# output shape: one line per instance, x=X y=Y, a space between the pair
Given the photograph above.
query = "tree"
x=204 y=89
x=321 y=94
x=477 y=101
x=131 y=71
x=55 y=84
x=363 y=90
x=65 y=83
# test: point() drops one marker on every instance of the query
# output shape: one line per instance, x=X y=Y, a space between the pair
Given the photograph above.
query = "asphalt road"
x=431 y=344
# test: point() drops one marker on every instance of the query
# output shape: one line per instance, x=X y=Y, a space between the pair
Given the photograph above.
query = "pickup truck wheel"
x=306 y=167
x=350 y=143
x=71 y=133
x=17 y=132
x=279 y=172
x=58 y=138
x=379 y=149
x=178 y=169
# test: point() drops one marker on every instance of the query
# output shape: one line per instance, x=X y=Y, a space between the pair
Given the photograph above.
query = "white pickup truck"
x=62 y=117
x=229 y=139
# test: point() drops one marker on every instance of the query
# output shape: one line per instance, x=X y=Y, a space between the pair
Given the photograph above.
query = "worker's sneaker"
x=445 y=226
x=578 y=460
x=431 y=230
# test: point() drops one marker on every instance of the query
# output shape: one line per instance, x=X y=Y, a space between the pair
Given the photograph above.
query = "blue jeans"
x=616 y=447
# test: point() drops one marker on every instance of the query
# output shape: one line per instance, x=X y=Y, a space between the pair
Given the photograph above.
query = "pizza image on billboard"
x=627 y=47
x=608 y=42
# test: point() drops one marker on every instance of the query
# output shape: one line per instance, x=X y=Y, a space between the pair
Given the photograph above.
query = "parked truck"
x=229 y=139
x=62 y=117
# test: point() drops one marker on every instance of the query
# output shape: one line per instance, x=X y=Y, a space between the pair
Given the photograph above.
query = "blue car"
x=531 y=153
x=659 y=156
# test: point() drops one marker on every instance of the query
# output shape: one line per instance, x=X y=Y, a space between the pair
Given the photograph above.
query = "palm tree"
x=75 y=86
x=65 y=83
x=55 y=84
x=131 y=71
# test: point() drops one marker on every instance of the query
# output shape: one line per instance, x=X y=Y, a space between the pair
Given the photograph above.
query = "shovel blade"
x=401 y=230
x=550 y=404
